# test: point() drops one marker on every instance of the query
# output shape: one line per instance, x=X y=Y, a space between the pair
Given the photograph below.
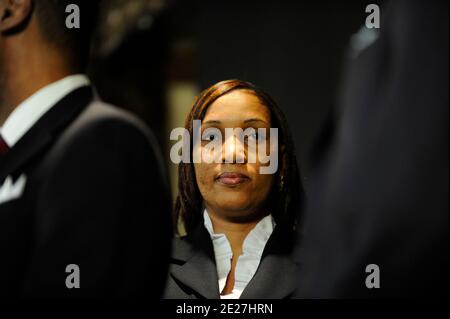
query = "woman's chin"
x=236 y=205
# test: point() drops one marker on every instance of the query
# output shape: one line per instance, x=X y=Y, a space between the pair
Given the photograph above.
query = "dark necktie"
x=4 y=148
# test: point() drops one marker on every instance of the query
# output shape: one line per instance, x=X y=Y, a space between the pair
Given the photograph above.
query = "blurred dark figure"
x=380 y=190
x=82 y=186
x=130 y=59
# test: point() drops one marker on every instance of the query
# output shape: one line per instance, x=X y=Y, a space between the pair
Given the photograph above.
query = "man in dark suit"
x=377 y=224
x=84 y=205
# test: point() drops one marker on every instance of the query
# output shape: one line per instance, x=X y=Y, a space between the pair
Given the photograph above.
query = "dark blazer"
x=95 y=196
x=380 y=193
x=193 y=273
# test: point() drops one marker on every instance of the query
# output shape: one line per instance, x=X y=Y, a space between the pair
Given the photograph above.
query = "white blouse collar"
x=248 y=262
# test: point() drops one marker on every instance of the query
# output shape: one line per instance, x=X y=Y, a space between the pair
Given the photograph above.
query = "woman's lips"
x=232 y=179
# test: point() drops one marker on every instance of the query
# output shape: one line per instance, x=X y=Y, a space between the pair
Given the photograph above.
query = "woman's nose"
x=233 y=150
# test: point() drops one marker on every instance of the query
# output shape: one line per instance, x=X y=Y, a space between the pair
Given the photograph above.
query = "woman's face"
x=231 y=189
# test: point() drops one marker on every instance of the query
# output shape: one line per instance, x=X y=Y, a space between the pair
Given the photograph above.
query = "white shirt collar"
x=248 y=262
x=24 y=116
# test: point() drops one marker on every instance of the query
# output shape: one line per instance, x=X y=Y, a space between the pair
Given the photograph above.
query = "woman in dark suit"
x=240 y=216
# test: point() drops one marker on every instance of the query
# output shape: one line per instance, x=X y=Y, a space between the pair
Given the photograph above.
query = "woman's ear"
x=14 y=13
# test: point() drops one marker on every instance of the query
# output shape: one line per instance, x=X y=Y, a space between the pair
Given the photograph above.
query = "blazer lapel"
x=42 y=133
x=277 y=272
x=199 y=269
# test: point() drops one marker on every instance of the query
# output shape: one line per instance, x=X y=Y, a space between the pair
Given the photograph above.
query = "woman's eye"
x=256 y=136
x=210 y=137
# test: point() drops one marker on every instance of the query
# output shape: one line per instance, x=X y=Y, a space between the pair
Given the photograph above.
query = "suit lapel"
x=42 y=133
x=199 y=269
x=274 y=279
x=277 y=272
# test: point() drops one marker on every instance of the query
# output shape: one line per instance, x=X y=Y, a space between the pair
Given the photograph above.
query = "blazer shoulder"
x=100 y=114
x=111 y=134
x=104 y=124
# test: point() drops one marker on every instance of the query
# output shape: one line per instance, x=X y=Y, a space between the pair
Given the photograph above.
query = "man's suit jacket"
x=379 y=193
x=95 y=196
x=193 y=273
